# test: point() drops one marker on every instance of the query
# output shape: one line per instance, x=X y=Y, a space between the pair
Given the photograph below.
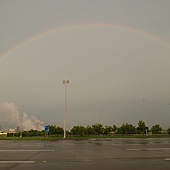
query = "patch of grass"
x=55 y=138
x=30 y=138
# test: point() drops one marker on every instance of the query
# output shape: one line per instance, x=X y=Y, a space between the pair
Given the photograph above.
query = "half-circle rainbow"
x=142 y=33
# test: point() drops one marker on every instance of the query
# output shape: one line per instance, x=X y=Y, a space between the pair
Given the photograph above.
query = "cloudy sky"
x=114 y=53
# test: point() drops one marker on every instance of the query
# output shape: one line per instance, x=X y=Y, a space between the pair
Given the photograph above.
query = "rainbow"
x=142 y=33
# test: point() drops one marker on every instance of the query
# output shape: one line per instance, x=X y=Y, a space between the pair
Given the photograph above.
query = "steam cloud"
x=11 y=118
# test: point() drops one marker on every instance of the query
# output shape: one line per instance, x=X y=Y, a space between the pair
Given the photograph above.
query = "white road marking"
x=18 y=162
x=32 y=145
x=26 y=150
x=167 y=159
x=133 y=149
x=132 y=144
x=152 y=149
x=148 y=149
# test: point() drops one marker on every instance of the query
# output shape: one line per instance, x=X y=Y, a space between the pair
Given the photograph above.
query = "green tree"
x=98 y=129
x=168 y=130
x=53 y=130
x=156 y=129
x=141 y=129
x=78 y=130
x=59 y=130
x=89 y=130
x=127 y=129
x=114 y=128
x=108 y=130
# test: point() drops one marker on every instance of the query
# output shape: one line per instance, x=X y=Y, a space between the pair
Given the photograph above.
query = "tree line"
x=125 y=129
x=99 y=129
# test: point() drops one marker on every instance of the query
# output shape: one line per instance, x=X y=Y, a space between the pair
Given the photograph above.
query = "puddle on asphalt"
x=122 y=141
x=142 y=141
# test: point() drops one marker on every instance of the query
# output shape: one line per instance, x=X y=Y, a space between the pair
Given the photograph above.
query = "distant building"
x=3 y=134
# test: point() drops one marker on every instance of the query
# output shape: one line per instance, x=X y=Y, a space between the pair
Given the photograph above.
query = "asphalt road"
x=118 y=154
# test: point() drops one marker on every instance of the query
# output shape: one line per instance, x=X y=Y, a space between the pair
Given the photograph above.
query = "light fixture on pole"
x=65 y=82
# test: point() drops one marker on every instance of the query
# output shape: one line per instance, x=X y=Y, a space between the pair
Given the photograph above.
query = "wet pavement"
x=95 y=154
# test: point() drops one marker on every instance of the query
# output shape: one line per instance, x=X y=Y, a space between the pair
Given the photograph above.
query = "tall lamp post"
x=144 y=114
x=65 y=82
x=22 y=119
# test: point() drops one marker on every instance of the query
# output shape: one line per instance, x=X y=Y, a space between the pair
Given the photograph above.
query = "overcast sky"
x=114 y=52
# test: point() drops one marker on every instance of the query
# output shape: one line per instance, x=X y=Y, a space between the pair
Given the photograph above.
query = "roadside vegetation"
x=93 y=131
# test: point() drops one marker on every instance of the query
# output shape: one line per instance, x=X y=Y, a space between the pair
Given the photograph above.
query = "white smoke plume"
x=11 y=118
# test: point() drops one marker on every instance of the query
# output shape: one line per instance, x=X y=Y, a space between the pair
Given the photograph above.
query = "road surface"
x=93 y=154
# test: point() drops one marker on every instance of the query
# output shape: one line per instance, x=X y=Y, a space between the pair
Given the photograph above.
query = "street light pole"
x=144 y=114
x=65 y=82
x=22 y=119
